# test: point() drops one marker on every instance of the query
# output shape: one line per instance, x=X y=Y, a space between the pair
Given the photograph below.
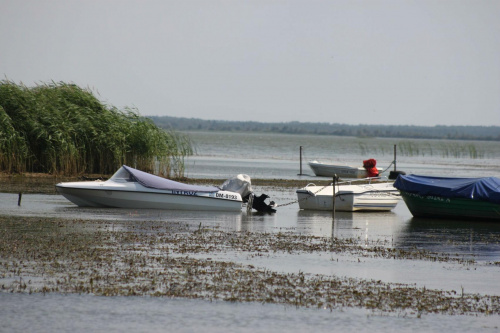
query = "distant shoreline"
x=481 y=133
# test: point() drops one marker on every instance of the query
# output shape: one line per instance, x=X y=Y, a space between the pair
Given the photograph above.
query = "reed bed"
x=424 y=148
x=60 y=128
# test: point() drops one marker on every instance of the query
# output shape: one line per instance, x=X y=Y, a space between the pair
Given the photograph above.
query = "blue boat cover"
x=487 y=189
x=152 y=181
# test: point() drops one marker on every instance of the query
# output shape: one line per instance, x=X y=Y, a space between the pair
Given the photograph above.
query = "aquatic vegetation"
x=62 y=128
x=423 y=148
x=109 y=258
x=444 y=149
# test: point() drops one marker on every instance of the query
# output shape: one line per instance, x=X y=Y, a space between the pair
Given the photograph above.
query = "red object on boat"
x=370 y=166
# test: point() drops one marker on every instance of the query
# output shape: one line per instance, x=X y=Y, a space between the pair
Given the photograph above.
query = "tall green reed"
x=62 y=128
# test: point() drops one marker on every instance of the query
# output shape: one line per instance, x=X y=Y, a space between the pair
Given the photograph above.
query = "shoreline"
x=45 y=183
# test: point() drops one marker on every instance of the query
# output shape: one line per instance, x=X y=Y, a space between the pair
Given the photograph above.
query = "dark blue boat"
x=456 y=198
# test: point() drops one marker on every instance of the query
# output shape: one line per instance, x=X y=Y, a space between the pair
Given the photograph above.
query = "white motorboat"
x=349 y=198
x=343 y=171
x=132 y=188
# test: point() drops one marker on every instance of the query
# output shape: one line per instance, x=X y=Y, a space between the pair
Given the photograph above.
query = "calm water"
x=276 y=156
x=82 y=313
x=264 y=155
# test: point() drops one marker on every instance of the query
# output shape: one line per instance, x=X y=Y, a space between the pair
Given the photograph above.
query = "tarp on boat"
x=487 y=189
x=152 y=181
x=241 y=184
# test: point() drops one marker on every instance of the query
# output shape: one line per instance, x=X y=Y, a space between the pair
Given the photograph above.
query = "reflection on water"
x=370 y=227
x=476 y=239
x=479 y=240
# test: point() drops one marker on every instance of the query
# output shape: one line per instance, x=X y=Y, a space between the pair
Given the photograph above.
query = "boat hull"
x=432 y=206
x=331 y=170
x=136 y=199
x=350 y=198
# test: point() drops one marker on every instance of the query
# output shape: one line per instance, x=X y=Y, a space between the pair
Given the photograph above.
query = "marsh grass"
x=60 y=128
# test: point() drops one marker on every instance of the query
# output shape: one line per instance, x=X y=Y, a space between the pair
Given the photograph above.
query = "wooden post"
x=19 y=199
x=333 y=207
x=300 y=152
x=394 y=157
x=333 y=196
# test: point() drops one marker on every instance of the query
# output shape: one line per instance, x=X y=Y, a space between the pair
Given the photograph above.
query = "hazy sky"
x=402 y=62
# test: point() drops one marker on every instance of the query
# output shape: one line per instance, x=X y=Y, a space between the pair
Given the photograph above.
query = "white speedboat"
x=343 y=171
x=349 y=198
x=132 y=188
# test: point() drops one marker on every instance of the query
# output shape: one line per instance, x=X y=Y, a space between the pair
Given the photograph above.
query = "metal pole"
x=300 y=150
x=333 y=208
x=394 y=157
x=333 y=197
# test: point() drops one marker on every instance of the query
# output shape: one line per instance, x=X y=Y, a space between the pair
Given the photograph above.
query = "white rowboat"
x=343 y=171
x=349 y=198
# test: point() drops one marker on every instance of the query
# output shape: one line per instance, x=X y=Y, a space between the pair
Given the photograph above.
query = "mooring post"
x=394 y=157
x=333 y=196
x=333 y=207
x=300 y=153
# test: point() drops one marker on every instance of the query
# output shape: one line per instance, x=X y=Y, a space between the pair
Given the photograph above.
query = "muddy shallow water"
x=378 y=250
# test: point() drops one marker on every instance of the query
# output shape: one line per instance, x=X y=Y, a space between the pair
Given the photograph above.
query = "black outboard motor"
x=258 y=203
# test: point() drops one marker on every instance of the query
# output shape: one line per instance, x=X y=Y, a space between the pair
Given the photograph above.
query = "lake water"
x=277 y=156
x=83 y=313
x=222 y=155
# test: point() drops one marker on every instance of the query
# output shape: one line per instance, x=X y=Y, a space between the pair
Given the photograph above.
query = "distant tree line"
x=489 y=133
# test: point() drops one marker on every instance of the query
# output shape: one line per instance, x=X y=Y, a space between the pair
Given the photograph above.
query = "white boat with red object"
x=371 y=196
x=132 y=188
x=331 y=170
x=368 y=170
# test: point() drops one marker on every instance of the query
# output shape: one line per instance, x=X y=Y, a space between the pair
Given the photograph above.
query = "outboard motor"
x=243 y=185
x=240 y=184
x=259 y=204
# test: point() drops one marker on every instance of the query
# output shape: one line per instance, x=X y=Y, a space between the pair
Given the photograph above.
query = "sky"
x=388 y=62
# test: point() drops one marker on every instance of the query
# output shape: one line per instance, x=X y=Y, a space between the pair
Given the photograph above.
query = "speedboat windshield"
x=128 y=174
